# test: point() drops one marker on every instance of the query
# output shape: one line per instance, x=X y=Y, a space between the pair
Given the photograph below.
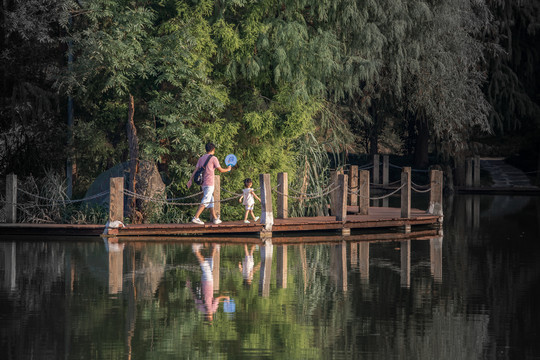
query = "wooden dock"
x=378 y=218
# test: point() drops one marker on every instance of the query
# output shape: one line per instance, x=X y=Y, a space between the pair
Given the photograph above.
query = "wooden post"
x=376 y=169
x=116 y=265
x=281 y=280
x=11 y=198
x=354 y=255
x=363 y=256
x=363 y=187
x=469 y=173
x=353 y=177
x=216 y=259
x=282 y=196
x=333 y=195
x=435 y=257
x=341 y=198
x=266 y=251
x=217 y=195
x=476 y=171
x=436 y=193
x=406 y=192
x=406 y=263
x=267 y=215
x=385 y=170
x=116 y=199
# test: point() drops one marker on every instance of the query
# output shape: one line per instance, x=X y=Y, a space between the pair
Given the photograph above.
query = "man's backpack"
x=198 y=178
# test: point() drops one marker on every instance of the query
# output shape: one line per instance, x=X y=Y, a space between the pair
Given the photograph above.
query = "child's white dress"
x=249 y=201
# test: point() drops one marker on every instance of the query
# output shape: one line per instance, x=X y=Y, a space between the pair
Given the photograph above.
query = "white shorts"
x=208 y=197
x=249 y=207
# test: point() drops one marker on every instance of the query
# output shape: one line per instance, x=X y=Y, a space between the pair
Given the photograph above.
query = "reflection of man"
x=208 y=305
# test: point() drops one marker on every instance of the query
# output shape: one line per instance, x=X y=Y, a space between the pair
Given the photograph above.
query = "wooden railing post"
x=476 y=171
x=334 y=194
x=363 y=192
x=217 y=195
x=436 y=193
x=341 y=198
x=406 y=192
x=376 y=170
x=469 y=173
x=267 y=215
x=282 y=196
x=116 y=199
x=11 y=198
x=385 y=170
x=353 y=177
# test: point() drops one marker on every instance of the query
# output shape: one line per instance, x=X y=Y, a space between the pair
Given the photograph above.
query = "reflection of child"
x=248 y=195
x=247 y=265
x=208 y=305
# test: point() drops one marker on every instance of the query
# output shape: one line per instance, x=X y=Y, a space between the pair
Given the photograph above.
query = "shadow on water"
x=470 y=294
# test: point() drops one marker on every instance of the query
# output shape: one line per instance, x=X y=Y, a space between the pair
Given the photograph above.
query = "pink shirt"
x=208 y=179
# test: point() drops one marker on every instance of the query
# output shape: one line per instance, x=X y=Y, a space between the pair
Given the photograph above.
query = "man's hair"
x=247 y=181
x=209 y=147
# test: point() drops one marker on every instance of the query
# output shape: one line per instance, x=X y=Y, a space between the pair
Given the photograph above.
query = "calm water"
x=470 y=294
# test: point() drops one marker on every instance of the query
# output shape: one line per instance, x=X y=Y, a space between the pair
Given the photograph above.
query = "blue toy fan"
x=229 y=306
x=230 y=160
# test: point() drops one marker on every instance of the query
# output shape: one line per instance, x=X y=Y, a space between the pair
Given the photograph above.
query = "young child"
x=248 y=195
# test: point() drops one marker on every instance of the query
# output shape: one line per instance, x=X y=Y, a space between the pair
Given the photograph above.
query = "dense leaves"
x=280 y=84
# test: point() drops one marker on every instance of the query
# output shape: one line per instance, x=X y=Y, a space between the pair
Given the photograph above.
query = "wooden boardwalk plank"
x=378 y=218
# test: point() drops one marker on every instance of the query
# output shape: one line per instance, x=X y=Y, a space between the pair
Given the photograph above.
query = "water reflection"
x=203 y=294
x=471 y=294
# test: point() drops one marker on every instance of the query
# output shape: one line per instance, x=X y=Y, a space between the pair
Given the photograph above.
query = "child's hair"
x=247 y=182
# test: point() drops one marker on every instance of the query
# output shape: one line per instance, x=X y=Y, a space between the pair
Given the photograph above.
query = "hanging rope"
x=57 y=201
x=309 y=196
x=378 y=197
x=167 y=202
x=421 y=191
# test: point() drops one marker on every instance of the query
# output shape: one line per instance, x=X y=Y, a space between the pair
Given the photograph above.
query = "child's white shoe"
x=246 y=221
x=256 y=218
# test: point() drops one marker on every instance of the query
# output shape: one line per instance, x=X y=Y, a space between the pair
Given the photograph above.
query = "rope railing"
x=167 y=202
x=54 y=202
x=378 y=197
x=309 y=196
x=420 y=191
x=401 y=167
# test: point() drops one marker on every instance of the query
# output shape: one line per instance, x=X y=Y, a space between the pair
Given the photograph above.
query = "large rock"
x=148 y=184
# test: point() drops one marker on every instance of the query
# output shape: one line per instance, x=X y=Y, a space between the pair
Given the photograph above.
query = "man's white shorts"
x=208 y=197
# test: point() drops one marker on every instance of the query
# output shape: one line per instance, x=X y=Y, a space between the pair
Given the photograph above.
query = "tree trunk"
x=133 y=143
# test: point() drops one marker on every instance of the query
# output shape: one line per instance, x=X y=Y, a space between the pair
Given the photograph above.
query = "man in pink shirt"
x=208 y=183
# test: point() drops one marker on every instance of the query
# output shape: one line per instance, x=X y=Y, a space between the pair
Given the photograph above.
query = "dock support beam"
x=436 y=193
x=11 y=198
x=282 y=196
x=217 y=195
x=353 y=185
x=267 y=215
x=116 y=199
x=341 y=201
x=363 y=188
x=385 y=170
x=406 y=192
x=376 y=163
